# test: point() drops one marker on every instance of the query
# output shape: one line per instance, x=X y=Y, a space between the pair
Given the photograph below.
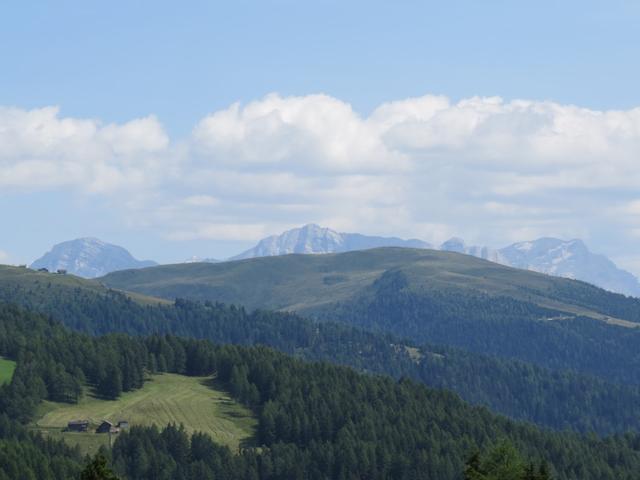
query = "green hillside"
x=314 y=284
x=193 y=402
x=491 y=326
x=311 y=417
x=41 y=286
x=553 y=399
x=430 y=297
x=7 y=367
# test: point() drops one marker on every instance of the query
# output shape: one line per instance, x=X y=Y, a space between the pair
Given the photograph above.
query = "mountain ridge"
x=428 y=296
x=306 y=283
x=89 y=257
x=551 y=256
x=312 y=238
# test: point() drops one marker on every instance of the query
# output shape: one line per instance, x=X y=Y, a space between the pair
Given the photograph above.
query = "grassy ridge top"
x=27 y=276
x=42 y=285
x=168 y=398
x=311 y=283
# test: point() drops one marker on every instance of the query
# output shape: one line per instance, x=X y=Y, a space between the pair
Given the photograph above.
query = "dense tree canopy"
x=498 y=326
x=504 y=462
x=553 y=396
x=315 y=419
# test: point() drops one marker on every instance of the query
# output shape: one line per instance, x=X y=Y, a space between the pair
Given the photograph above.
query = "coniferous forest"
x=545 y=390
x=316 y=420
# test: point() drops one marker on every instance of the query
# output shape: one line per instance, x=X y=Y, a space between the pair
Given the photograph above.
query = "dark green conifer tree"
x=97 y=469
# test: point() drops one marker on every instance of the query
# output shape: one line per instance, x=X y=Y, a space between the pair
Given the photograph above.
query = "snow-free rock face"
x=570 y=259
x=89 y=258
x=315 y=239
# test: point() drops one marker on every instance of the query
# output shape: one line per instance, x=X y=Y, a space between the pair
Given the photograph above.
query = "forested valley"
x=324 y=420
x=557 y=398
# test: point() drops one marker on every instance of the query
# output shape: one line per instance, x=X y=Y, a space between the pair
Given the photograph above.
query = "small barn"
x=123 y=425
x=78 y=426
x=105 y=427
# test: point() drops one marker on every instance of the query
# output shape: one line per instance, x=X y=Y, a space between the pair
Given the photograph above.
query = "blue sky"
x=146 y=149
x=121 y=60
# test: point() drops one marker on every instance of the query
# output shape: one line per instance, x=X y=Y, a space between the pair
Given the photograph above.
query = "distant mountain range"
x=568 y=259
x=561 y=258
x=89 y=258
x=315 y=239
x=456 y=244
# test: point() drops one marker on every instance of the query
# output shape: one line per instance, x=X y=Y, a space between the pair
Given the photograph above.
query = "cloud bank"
x=485 y=168
x=40 y=150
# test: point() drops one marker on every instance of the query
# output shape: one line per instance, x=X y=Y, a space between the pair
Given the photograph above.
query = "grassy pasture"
x=311 y=284
x=7 y=368
x=195 y=402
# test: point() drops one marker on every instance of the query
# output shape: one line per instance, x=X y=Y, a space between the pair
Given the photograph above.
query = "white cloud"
x=220 y=231
x=41 y=150
x=312 y=133
x=4 y=256
x=484 y=168
x=201 y=201
x=521 y=136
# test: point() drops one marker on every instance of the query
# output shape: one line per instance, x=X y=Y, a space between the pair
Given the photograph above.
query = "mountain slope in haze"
x=568 y=259
x=315 y=239
x=89 y=258
x=457 y=245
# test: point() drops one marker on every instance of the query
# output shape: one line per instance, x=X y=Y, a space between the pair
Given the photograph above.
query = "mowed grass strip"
x=7 y=367
x=194 y=402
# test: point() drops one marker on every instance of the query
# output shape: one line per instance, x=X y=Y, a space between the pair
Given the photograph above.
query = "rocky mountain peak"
x=314 y=239
x=88 y=257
